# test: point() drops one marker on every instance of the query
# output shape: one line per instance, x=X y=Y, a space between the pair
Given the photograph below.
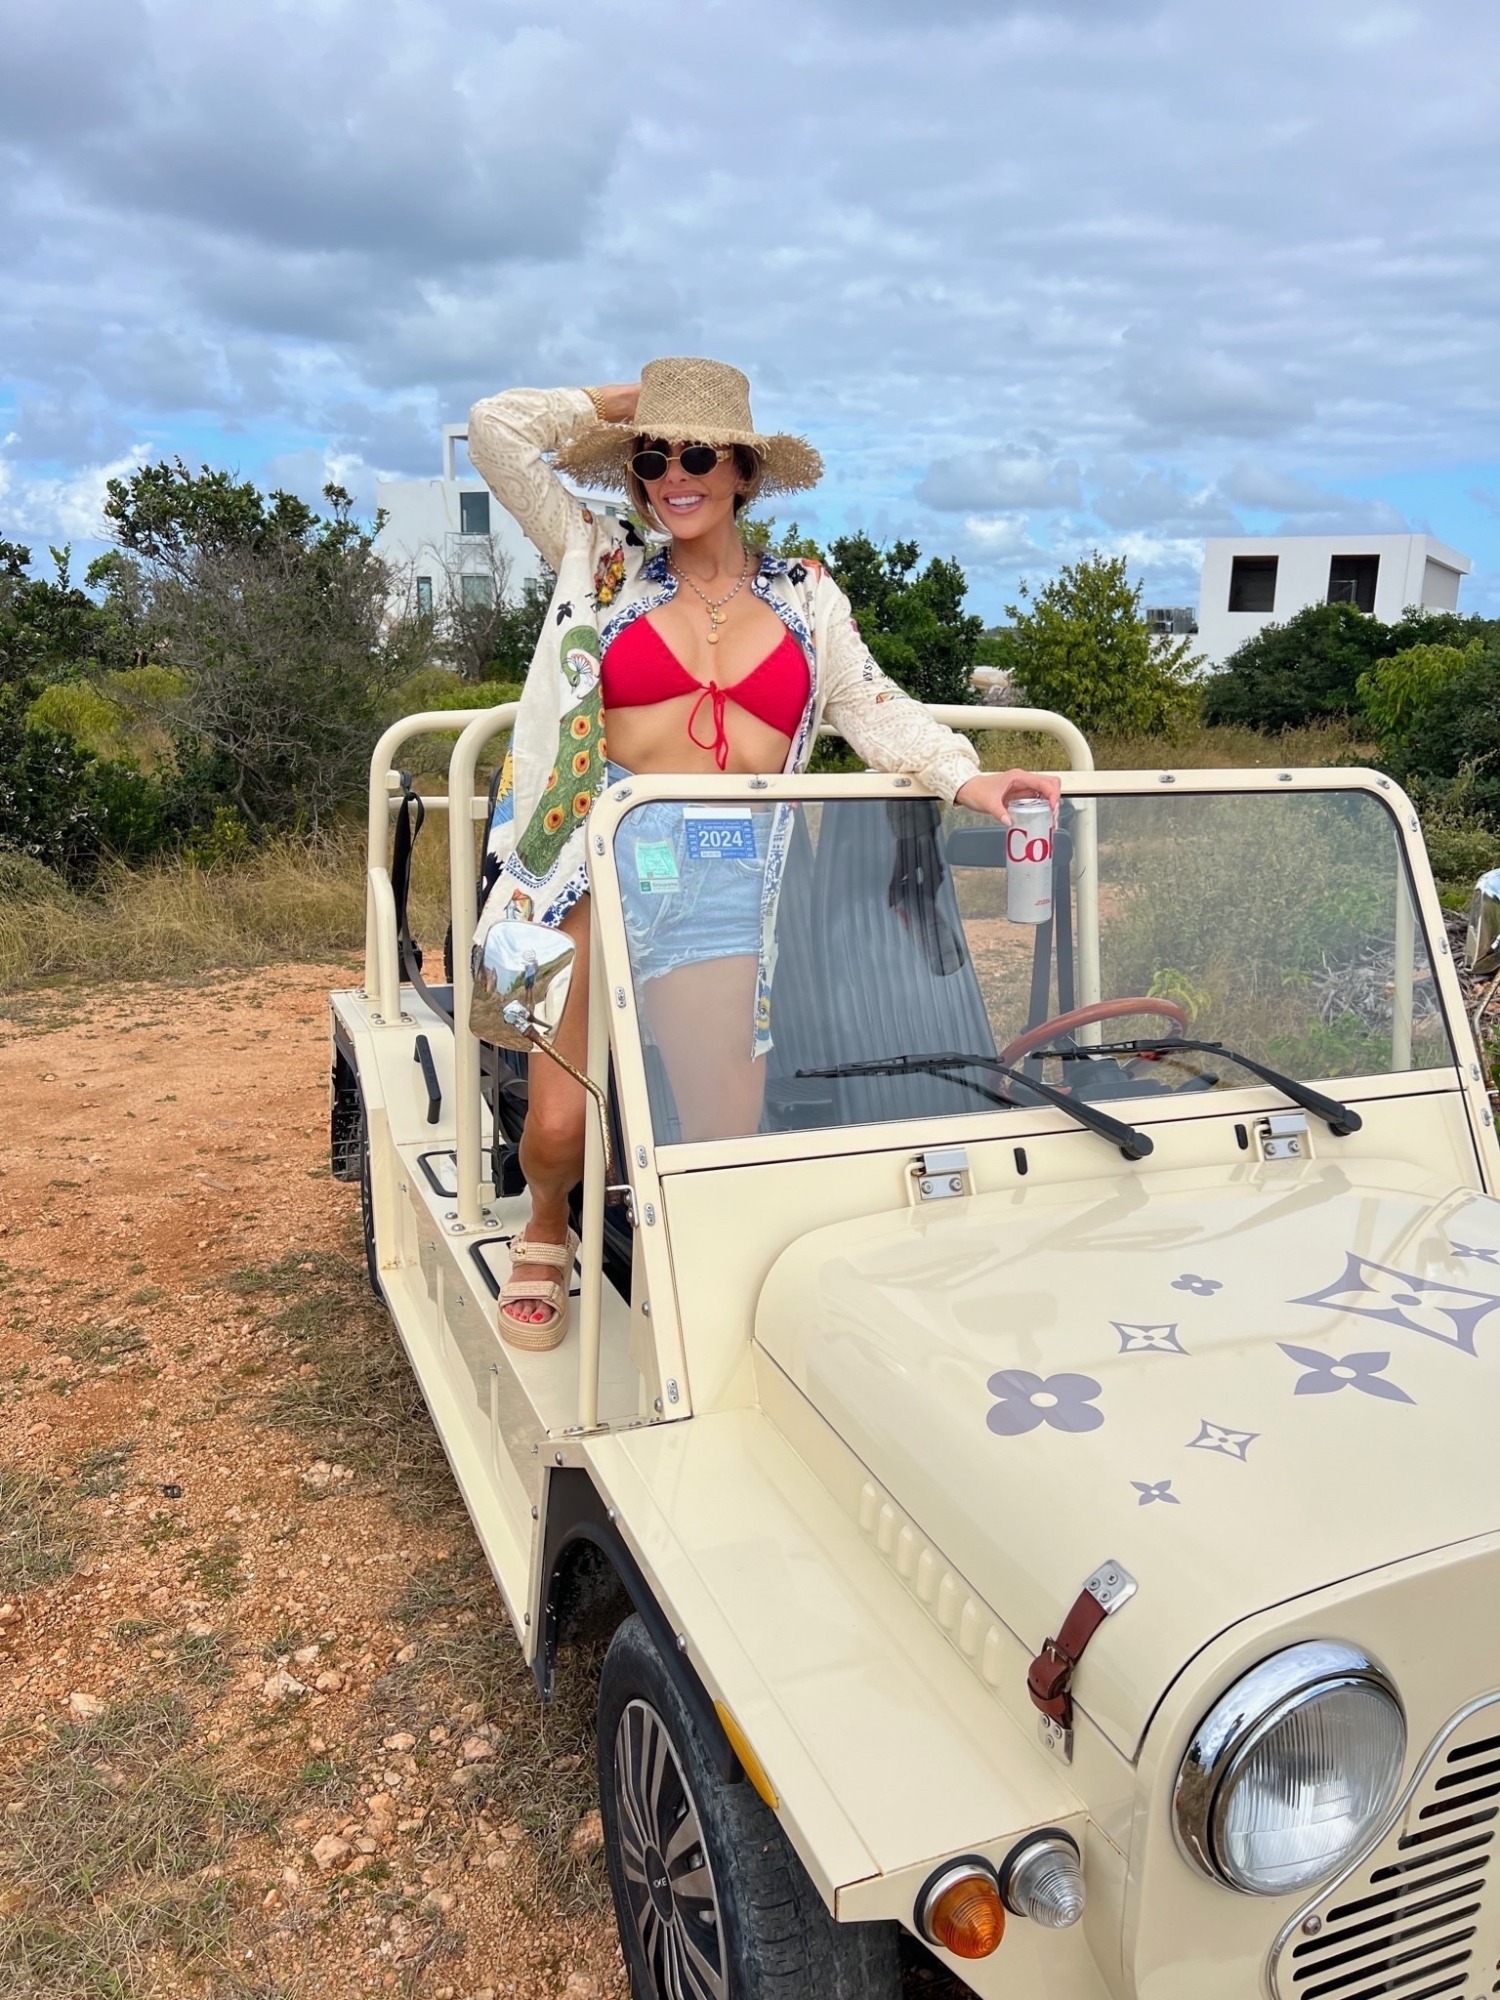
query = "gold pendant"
x=714 y=622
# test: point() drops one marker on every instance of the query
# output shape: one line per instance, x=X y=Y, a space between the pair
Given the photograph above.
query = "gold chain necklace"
x=715 y=604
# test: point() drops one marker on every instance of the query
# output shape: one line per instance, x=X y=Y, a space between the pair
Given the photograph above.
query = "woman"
x=701 y=656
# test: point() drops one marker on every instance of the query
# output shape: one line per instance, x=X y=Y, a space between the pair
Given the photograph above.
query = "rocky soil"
x=262 y=1727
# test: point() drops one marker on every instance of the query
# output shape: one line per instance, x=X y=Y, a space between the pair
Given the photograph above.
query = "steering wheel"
x=1080 y=1017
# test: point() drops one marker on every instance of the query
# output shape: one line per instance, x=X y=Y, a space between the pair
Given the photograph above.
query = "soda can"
x=1028 y=862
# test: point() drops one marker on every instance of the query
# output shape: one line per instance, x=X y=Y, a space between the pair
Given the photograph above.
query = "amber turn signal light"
x=960 y=1909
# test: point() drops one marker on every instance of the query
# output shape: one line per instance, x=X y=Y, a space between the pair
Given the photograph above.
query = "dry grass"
x=296 y=899
x=40 y=1537
x=359 y=1402
x=1192 y=748
x=113 y=1835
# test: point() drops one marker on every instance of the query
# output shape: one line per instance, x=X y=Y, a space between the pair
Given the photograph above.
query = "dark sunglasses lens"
x=699 y=459
x=649 y=465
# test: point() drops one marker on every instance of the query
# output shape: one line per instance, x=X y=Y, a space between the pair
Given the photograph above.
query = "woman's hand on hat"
x=994 y=792
x=615 y=402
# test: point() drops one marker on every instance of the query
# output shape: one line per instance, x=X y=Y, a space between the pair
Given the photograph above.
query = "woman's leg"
x=701 y=1016
x=552 y=1141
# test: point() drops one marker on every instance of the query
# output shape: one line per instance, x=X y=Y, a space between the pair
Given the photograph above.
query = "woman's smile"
x=682 y=503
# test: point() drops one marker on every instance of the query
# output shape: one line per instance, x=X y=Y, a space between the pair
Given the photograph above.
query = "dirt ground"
x=262 y=1729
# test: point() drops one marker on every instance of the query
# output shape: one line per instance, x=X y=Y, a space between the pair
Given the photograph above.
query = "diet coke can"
x=1028 y=862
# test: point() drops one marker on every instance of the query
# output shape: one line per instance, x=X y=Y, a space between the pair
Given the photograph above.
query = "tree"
x=913 y=621
x=276 y=617
x=1454 y=733
x=1079 y=645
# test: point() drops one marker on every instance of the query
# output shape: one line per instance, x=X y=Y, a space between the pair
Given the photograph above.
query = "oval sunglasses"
x=695 y=460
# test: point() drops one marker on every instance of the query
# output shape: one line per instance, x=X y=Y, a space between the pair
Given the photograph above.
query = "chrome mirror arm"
x=539 y=1041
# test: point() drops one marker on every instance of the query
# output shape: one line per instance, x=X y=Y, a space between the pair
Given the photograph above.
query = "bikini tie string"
x=720 y=744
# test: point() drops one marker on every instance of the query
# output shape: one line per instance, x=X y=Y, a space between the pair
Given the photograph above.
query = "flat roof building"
x=450 y=535
x=1251 y=581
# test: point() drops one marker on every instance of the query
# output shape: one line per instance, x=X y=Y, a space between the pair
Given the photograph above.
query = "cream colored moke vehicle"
x=1044 y=1474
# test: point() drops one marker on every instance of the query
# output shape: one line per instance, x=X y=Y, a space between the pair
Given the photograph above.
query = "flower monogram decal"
x=1328 y=1373
x=1480 y=1256
x=1147 y=1339
x=1217 y=1437
x=1201 y=1288
x=1152 y=1490
x=1450 y=1313
x=1026 y=1401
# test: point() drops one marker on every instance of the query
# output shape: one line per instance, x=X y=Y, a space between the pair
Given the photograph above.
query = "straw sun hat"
x=690 y=401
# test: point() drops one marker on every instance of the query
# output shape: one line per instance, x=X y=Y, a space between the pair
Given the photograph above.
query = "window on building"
x=1351 y=580
x=476 y=591
x=424 y=596
x=1252 y=583
x=473 y=513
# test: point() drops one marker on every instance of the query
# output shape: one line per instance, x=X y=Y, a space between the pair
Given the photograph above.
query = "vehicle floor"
x=238 y=1594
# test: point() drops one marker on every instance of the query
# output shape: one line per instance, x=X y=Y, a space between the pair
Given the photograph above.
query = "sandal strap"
x=559 y=1254
x=545 y=1291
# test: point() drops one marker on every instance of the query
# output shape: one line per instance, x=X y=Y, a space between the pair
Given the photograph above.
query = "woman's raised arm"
x=508 y=435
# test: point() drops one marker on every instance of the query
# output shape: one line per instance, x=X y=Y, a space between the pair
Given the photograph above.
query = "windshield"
x=1278 y=925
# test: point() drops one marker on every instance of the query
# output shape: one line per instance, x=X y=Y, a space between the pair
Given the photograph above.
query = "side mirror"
x=1482 y=939
x=522 y=973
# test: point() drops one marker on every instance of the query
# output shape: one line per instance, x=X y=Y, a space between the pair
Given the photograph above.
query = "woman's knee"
x=554 y=1122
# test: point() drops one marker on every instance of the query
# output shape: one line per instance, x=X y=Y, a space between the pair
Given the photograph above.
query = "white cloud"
x=970 y=247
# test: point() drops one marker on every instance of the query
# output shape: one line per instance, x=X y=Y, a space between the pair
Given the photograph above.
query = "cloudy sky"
x=1035 y=277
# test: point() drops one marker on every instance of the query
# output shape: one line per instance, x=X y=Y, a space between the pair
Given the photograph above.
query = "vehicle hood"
x=1243 y=1388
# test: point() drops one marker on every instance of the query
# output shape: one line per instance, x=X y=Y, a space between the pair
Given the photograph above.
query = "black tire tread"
x=782 y=1942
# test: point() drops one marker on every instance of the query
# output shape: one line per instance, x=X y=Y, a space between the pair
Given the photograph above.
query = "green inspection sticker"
x=656 y=868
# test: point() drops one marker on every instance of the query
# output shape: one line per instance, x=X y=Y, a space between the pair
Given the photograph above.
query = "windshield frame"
x=613 y=978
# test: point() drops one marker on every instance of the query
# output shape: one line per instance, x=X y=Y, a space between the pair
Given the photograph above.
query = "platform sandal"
x=538 y=1336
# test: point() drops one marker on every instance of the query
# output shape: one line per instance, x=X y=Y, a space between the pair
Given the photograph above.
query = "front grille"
x=1416 y=1919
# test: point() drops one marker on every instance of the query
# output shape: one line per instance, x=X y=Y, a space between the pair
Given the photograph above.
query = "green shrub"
x=1396 y=692
x=1080 y=646
x=1457 y=731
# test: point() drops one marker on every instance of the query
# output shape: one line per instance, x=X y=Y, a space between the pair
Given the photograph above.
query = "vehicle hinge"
x=941 y=1173
x=626 y=1194
x=1283 y=1136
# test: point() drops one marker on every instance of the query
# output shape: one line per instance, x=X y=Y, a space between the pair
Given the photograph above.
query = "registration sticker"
x=719 y=833
x=656 y=868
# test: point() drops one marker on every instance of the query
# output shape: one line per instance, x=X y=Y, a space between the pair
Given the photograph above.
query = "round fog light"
x=1042 y=1879
x=960 y=1909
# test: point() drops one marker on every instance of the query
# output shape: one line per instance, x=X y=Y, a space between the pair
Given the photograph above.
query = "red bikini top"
x=639 y=667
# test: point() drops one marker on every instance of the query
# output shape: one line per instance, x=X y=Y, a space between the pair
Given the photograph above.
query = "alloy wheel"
x=669 y=1881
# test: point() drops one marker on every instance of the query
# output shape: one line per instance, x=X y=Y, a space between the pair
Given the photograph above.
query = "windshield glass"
x=1277 y=924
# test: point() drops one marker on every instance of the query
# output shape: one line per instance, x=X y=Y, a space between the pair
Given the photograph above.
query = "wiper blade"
x=1341 y=1119
x=1135 y=1145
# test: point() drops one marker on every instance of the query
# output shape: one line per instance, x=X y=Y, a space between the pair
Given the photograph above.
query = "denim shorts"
x=691 y=881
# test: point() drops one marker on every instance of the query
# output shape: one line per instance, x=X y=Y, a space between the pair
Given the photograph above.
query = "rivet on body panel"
x=645 y=1309
x=619 y=996
x=682 y=1642
x=1166 y=778
x=640 y=1156
x=598 y=843
x=650 y=1214
x=671 y=1392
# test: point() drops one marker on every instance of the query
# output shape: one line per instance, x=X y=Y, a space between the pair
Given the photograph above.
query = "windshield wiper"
x=1341 y=1119
x=1133 y=1144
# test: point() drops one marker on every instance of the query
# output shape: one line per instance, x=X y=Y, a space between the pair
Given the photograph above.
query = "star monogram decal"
x=1147 y=1339
x=1449 y=1313
x=1215 y=1437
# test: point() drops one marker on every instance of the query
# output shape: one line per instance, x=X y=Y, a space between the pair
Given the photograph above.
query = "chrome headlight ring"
x=1240 y=1722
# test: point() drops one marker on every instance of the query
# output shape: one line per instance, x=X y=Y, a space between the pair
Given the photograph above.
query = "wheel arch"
x=577 y=1533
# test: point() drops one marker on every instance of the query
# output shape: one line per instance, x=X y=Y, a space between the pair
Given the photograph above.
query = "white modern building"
x=1251 y=581
x=450 y=535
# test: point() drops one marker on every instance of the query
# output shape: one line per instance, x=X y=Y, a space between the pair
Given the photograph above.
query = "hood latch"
x=1049 y=1679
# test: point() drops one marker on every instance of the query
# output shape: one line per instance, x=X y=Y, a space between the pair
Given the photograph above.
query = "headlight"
x=1291 y=1771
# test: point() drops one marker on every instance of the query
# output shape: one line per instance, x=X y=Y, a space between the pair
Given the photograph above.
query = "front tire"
x=367 y=1204
x=711 y=1900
